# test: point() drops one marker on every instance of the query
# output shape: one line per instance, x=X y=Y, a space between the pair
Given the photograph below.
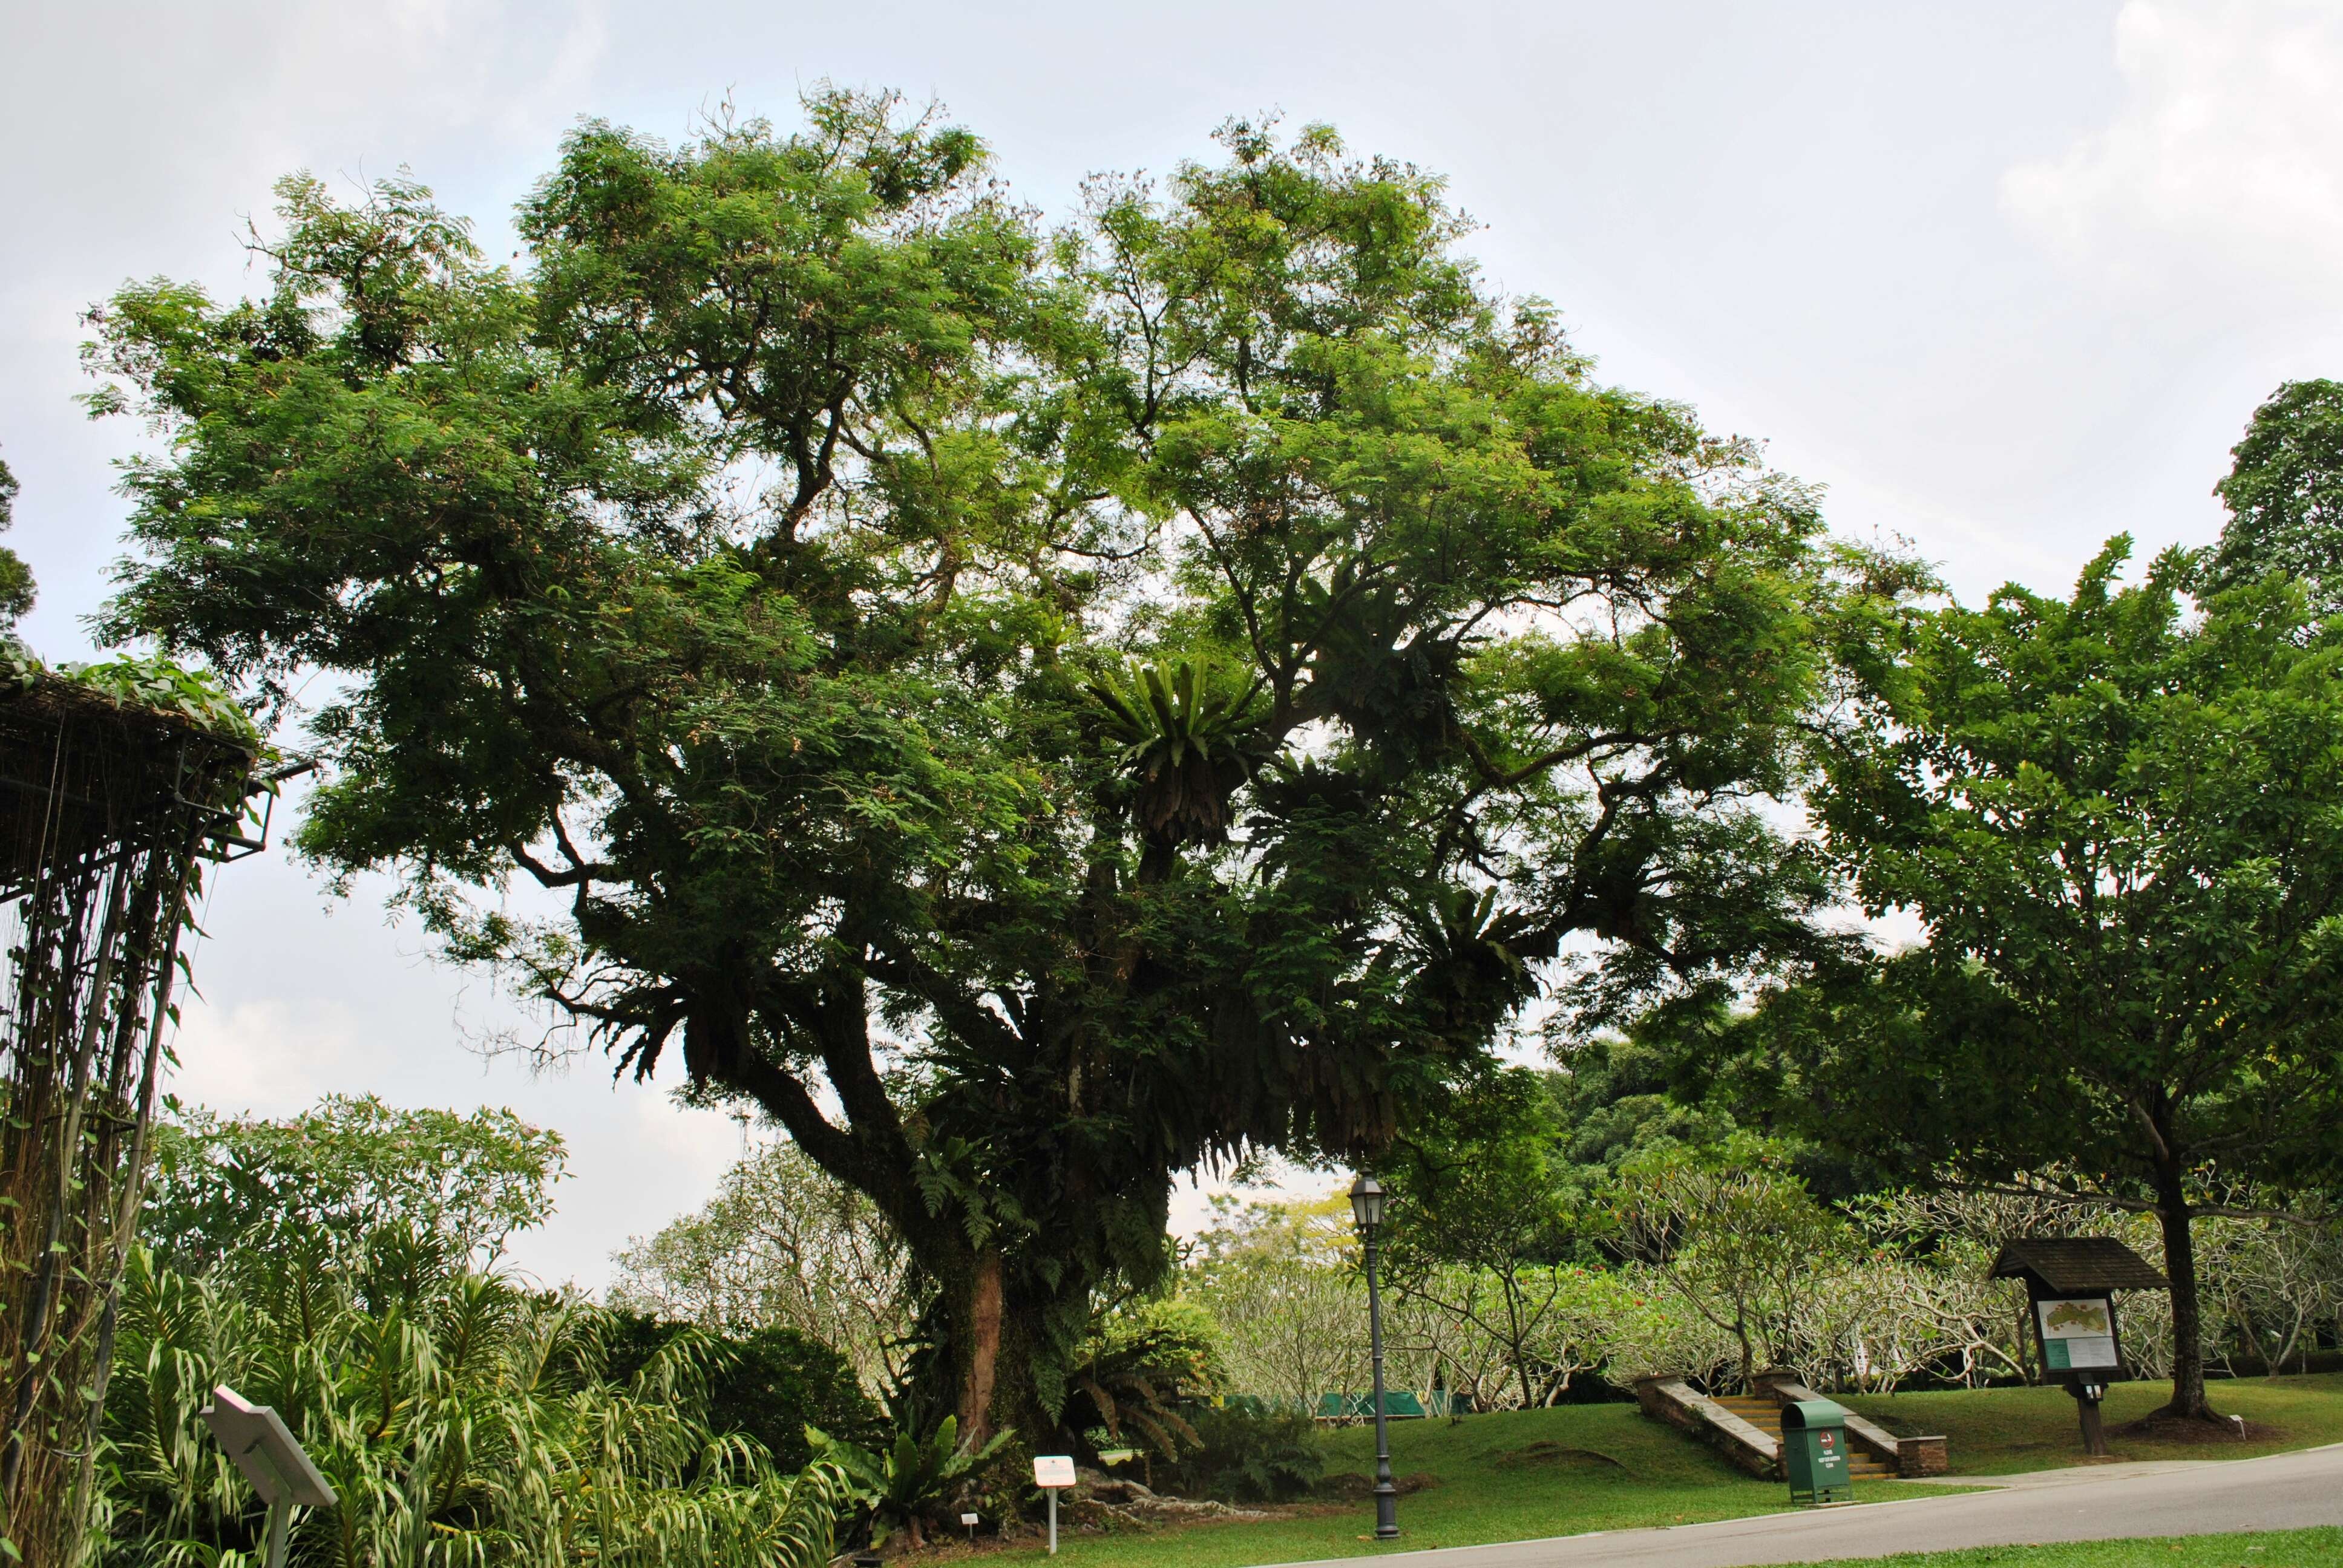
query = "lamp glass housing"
x=1367 y=1201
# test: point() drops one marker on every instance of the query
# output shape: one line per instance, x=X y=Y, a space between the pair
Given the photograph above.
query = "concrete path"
x=2101 y=1503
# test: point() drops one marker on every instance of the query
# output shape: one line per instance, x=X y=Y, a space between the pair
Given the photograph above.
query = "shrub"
x=767 y=1384
x=1247 y=1457
x=1144 y=1364
x=499 y=1396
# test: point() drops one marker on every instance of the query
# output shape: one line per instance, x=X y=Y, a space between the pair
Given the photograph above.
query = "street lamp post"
x=1367 y=1203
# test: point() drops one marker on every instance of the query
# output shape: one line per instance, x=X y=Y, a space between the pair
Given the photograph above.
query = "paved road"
x=2184 y=1497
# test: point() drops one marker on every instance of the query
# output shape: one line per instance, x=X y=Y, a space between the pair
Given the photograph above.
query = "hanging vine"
x=116 y=781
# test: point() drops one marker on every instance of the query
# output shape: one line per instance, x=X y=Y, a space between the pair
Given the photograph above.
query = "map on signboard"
x=2078 y=1334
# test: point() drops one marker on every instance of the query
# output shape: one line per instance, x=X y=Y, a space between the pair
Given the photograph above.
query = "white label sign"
x=1053 y=1470
x=2078 y=1334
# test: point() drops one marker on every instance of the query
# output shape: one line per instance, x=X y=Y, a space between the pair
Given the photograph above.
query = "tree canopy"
x=16 y=576
x=2114 y=819
x=1031 y=710
x=2284 y=496
x=323 y=1183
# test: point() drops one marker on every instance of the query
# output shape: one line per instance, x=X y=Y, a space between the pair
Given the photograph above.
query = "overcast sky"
x=2006 y=278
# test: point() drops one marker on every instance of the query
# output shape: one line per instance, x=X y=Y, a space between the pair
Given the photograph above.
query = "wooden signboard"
x=2071 y=1281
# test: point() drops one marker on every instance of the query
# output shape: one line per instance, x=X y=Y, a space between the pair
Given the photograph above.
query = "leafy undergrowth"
x=2004 y=1430
x=2320 y=1548
x=1511 y=1476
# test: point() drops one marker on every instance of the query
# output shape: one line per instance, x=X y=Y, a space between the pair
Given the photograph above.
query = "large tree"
x=2119 y=821
x=1030 y=712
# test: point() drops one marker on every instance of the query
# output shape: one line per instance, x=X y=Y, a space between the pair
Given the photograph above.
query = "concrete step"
x=1767 y=1417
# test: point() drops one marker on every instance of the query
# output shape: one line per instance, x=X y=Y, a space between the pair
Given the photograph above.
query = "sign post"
x=1050 y=1472
x=255 y=1437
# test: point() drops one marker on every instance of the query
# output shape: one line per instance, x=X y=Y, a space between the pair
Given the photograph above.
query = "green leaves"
x=324 y=1182
x=1190 y=735
x=459 y=1419
x=903 y=1485
x=745 y=565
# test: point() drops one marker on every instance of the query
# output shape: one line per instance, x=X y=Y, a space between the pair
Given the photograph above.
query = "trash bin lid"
x=1806 y=1415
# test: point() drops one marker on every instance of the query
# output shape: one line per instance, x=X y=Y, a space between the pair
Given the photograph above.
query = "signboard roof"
x=2078 y=1266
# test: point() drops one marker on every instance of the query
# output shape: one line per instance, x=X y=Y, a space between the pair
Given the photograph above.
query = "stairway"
x=1766 y=1416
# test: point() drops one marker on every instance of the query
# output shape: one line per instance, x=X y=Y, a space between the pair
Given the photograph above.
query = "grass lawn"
x=1521 y=1476
x=1508 y=1476
x=2002 y=1431
x=2261 y=1548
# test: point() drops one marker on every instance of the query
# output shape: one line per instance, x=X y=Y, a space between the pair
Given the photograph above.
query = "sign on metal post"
x=1051 y=1471
x=257 y=1438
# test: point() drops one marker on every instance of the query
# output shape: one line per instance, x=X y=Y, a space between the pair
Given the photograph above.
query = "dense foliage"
x=1032 y=712
x=459 y=1419
x=767 y=1384
x=2284 y=496
x=320 y=1185
x=16 y=576
x=2116 y=823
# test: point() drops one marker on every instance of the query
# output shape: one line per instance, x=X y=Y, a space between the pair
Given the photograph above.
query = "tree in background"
x=1029 y=713
x=782 y=1244
x=16 y=576
x=1284 y=1284
x=1484 y=1225
x=1737 y=1236
x=2284 y=496
x=2118 y=828
x=320 y=1185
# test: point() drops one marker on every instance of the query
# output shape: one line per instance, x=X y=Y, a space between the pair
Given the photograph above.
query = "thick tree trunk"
x=2188 y=1322
x=979 y=1377
x=997 y=1336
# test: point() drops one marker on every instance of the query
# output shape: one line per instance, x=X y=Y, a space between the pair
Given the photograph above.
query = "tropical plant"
x=1147 y=1364
x=902 y=1484
x=1242 y=1454
x=460 y=1420
x=1190 y=737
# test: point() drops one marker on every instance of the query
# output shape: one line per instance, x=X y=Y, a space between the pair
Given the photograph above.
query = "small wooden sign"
x=1053 y=1470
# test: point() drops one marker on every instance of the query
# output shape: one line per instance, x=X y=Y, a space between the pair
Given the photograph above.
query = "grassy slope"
x=1509 y=1476
x=1521 y=1476
x=2003 y=1430
x=2275 y=1549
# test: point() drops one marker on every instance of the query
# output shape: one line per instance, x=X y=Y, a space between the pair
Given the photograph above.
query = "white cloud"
x=266 y=1056
x=2222 y=169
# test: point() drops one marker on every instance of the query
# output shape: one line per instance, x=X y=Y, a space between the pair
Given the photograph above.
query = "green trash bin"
x=1815 y=1452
